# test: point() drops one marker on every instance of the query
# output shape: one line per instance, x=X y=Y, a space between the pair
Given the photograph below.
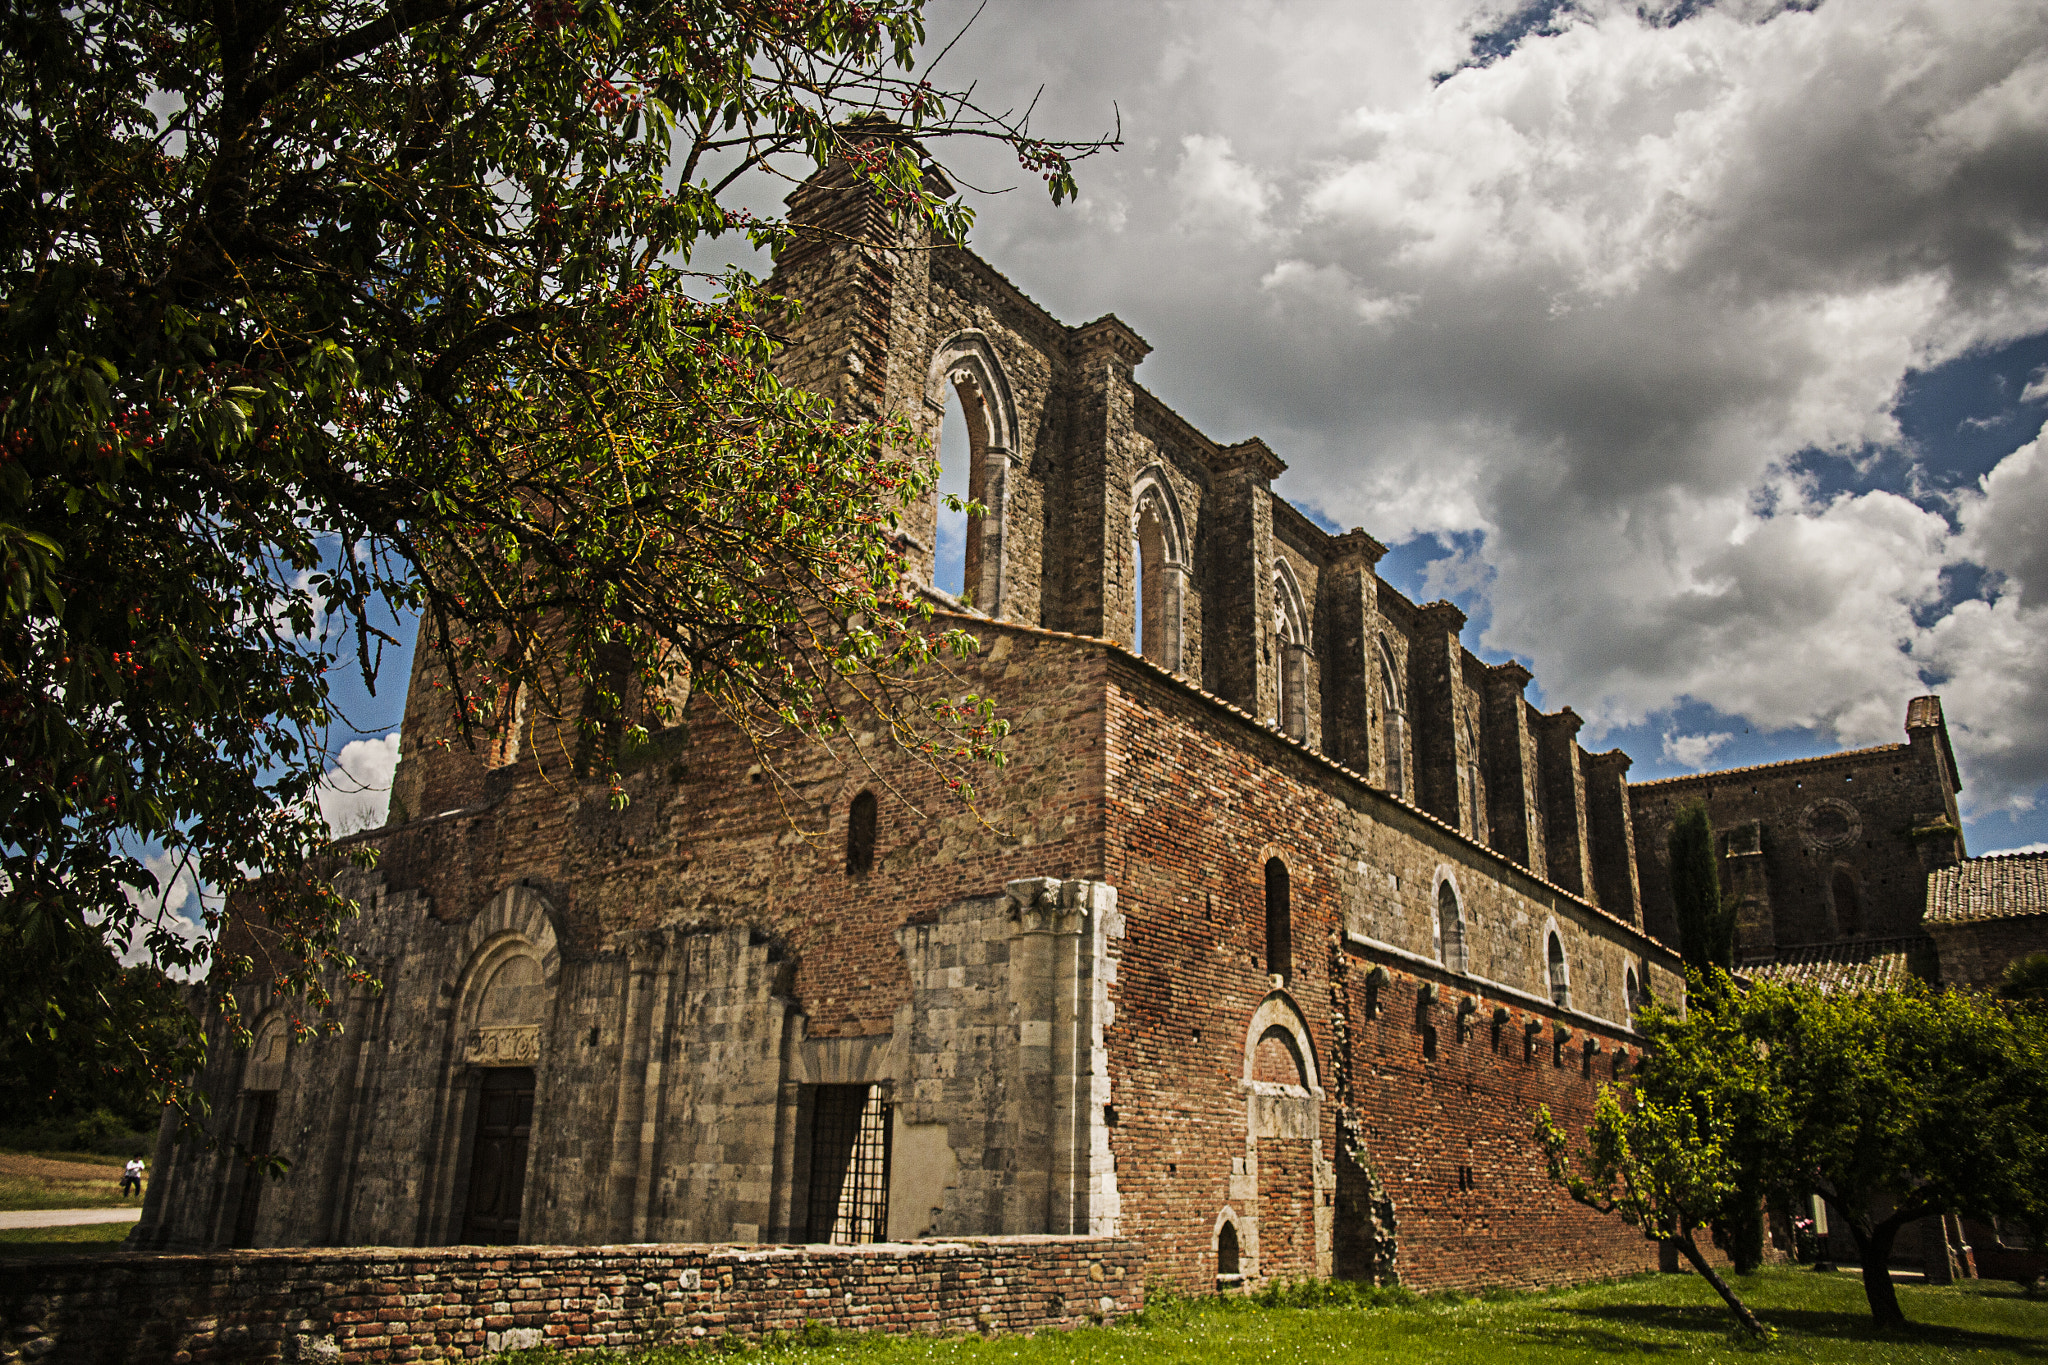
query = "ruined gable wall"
x=1855 y=810
x=1204 y=800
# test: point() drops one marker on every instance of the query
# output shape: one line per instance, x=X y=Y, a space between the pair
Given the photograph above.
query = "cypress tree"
x=1706 y=923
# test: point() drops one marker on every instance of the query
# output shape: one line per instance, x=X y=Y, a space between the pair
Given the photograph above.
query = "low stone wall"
x=405 y=1304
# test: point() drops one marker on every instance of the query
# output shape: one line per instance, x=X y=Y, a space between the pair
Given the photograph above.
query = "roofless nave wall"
x=1100 y=497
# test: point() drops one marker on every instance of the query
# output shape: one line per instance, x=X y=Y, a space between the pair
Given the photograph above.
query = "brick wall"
x=1206 y=800
x=466 y=1302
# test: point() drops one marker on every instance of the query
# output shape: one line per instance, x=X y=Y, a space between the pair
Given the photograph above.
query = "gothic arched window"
x=1396 y=727
x=1291 y=643
x=1159 y=561
x=1848 y=904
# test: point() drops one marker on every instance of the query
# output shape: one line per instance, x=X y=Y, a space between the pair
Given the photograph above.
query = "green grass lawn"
x=1821 y=1318
x=61 y=1180
x=88 y=1239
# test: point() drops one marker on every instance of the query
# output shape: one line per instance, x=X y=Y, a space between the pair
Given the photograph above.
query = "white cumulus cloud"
x=356 y=792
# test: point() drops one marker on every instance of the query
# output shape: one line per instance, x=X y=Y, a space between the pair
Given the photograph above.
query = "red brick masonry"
x=395 y=1304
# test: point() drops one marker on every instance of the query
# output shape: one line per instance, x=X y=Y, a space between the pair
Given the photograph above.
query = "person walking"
x=131 y=1176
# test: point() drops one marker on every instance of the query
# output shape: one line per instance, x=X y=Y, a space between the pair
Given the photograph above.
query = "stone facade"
x=1285 y=913
x=1822 y=849
x=380 y=1305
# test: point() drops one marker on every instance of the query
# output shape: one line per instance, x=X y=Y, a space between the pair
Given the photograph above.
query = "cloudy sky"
x=1702 y=358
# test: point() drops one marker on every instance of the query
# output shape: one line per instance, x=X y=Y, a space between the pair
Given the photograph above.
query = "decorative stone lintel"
x=515 y=1045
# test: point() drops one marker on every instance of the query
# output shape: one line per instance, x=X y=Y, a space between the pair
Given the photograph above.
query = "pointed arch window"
x=1395 y=711
x=1848 y=904
x=1160 y=570
x=860 y=835
x=1291 y=643
x=977 y=449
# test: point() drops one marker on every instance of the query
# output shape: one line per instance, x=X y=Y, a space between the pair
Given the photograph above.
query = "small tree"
x=1661 y=1168
x=1706 y=922
x=1935 y=1101
x=1709 y=1051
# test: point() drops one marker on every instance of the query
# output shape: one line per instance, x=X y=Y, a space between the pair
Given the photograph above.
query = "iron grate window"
x=849 y=1165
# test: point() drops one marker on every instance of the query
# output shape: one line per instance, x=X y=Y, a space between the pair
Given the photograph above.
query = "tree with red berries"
x=319 y=315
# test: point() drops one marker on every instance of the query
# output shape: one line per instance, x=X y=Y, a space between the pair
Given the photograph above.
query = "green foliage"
x=1662 y=1168
x=2026 y=980
x=1658 y=1167
x=313 y=313
x=1706 y=922
x=1310 y=1293
x=1928 y=1100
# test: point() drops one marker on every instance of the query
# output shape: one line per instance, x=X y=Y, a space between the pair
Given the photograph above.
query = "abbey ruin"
x=1289 y=911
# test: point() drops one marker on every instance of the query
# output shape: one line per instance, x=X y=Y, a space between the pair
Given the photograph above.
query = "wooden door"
x=497 y=1159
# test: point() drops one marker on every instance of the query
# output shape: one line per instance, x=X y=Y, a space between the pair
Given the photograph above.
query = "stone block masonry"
x=466 y=1303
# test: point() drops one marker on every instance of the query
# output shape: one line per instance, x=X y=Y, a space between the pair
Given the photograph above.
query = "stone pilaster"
x=1235 y=556
x=1564 y=801
x=1611 y=835
x=1101 y=595
x=1514 y=808
x=1349 y=654
x=1435 y=694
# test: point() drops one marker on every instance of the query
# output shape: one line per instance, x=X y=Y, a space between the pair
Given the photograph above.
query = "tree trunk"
x=1876 y=1252
x=1750 y=1322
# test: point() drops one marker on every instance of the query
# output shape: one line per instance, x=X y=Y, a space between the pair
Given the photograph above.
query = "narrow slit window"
x=1451 y=925
x=1226 y=1250
x=860 y=835
x=1279 y=921
x=1560 y=981
x=849 y=1195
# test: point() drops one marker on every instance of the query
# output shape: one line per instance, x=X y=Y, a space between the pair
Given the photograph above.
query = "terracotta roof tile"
x=1999 y=887
x=1870 y=964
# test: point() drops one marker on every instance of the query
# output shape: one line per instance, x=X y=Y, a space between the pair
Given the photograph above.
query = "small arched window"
x=860 y=835
x=1560 y=980
x=1848 y=905
x=1451 y=927
x=1226 y=1250
x=1632 y=995
x=1396 y=722
x=1279 y=921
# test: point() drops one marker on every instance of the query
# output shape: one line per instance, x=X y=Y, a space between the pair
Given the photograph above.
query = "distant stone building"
x=1287 y=911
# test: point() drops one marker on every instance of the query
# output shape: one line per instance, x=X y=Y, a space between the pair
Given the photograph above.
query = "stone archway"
x=1285 y=1187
